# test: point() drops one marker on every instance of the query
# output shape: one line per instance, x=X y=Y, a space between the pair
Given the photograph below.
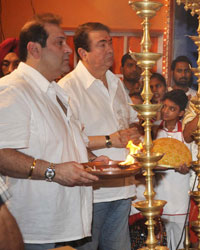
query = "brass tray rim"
x=126 y=170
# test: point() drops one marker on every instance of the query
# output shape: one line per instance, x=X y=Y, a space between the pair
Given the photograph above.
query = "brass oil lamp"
x=150 y=207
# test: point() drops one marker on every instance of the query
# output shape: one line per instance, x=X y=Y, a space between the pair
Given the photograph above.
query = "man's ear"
x=34 y=49
x=82 y=53
x=181 y=113
x=121 y=70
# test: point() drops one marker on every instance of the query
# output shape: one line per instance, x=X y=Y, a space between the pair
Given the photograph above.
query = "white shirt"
x=172 y=186
x=33 y=122
x=102 y=111
x=190 y=93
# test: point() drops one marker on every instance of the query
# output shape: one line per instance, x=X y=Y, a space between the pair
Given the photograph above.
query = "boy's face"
x=171 y=111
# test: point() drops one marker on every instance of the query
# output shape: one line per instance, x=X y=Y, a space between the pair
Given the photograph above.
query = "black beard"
x=182 y=84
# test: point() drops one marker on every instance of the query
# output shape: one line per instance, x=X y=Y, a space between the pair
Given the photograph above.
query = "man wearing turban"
x=9 y=59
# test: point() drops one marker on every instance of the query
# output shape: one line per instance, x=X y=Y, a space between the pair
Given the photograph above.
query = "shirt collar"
x=178 y=127
x=89 y=79
x=34 y=77
x=85 y=74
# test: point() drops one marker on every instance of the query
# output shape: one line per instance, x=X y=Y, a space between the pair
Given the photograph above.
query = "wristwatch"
x=50 y=173
x=108 y=141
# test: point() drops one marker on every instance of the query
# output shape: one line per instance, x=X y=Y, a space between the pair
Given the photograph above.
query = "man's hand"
x=183 y=169
x=120 y=138
x=73 y=174
x=103 y=159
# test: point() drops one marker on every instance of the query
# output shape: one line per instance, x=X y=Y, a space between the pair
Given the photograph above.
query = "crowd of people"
x=48 y=129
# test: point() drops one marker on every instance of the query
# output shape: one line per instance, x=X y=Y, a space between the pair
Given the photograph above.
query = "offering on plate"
x=113 y=168
x=176 y=153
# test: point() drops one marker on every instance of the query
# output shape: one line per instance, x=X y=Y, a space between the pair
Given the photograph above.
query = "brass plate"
x=167 y=167
x=112 y=169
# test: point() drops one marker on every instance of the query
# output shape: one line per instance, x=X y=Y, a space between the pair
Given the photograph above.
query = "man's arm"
x=18 y=165
x=118 y=139
x=10 y=235
x=189 y=128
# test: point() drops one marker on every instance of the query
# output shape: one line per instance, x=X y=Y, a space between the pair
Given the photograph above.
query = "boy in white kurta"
x=173 y=186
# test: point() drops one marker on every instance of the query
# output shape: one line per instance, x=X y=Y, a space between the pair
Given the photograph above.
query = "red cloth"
x=193 y=217
x=7 y=46
x=135 y=217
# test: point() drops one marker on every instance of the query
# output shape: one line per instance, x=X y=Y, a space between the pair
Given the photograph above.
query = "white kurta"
x=33 y=122
x=102 y=111
x=173 y=186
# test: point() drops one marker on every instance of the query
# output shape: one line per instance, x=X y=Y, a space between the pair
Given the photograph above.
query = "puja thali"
x=112 y=169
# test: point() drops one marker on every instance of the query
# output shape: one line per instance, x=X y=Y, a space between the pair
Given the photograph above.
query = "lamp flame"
x=133 y=149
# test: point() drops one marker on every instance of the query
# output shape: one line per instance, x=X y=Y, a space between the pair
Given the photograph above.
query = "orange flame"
x=133 y=149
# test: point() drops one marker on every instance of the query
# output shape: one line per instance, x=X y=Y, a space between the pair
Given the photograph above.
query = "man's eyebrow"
x=61 y=37
x=105 y=40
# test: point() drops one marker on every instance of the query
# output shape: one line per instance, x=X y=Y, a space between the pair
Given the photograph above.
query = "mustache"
x=183 y=78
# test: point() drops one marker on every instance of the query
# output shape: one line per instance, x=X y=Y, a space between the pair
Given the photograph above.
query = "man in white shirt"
x=99 y=101
x=41 y=140
x=131 y=75
x=182 y=75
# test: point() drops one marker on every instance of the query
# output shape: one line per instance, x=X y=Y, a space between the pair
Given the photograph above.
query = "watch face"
x=49 y=174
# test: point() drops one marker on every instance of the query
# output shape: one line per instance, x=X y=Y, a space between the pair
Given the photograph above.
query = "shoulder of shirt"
x=67 y=80
x=157 y=123
x=13 y=80
x=192 y=91
x=72 y=78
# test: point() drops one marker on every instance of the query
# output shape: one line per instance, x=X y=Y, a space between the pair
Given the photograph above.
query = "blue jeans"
x=39 y=246
x=110 y=230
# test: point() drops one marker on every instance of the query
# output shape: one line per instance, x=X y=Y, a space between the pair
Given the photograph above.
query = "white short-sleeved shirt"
x=102 y=111
x=33 y=122
x=172 y=186
x=190 y=93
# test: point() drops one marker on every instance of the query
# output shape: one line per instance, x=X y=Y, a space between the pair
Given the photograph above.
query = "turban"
x=7 y=46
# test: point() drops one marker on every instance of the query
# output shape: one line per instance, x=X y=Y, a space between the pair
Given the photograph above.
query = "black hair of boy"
x=177 y=96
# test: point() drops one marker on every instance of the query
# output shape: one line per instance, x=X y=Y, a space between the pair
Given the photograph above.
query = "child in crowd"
x=158 y=87
x=173 y=185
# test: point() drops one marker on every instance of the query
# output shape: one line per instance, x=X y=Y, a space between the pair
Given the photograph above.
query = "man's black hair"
x=125 y=57
x=34 y=31
x=180 y=59
x=81 y=36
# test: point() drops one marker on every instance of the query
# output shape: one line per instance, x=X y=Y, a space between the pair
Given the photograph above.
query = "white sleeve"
x=15 y=118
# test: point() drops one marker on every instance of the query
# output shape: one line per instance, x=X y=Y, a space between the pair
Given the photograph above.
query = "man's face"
x=171 y=111
x=10 y=62
x=182 y=74
x=100 y=56
x=131 y=71
x=158 y=89
x=55 y=56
